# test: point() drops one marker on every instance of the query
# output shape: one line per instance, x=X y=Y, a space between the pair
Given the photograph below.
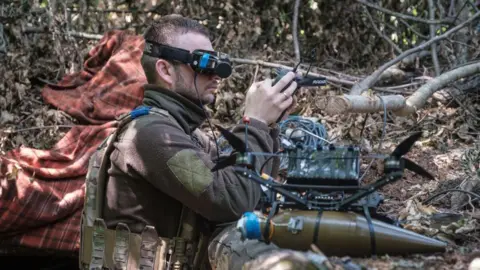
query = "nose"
x=215 y=77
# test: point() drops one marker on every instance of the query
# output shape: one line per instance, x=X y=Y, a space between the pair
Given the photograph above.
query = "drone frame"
x=243 y=161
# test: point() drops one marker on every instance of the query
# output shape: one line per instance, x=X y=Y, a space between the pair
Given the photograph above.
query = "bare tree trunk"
x=433 y=29
x=461 y=52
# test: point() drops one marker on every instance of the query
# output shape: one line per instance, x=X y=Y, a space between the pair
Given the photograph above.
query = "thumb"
x=267 y=82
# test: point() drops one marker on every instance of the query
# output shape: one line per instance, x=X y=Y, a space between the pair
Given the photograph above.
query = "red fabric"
x=40 y=204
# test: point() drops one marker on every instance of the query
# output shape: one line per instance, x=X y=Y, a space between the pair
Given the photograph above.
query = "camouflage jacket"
x=158 y=165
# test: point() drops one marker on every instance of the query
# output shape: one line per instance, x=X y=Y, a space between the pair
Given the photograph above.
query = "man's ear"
x=165 y=72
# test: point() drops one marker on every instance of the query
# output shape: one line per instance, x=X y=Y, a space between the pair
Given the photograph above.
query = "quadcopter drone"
x=318 y=177
x=325 y=177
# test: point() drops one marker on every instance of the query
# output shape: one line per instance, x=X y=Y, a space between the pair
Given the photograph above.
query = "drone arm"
x=259 y=138
x=383 y=181
x=267 y=181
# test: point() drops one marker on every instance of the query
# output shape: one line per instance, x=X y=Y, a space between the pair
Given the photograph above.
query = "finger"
x=284 y=81
x=266 y=84
x=295 y=99
x=286 y=103
x=255 y=86
x=293 y=105
x=289 y=91
x=280 y=97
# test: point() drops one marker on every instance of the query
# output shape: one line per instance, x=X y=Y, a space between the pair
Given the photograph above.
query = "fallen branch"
x=368 y=82
x=8 y=131
x=398 y=104
x=275 y=65
x=418 y=99
x=411 y=59
x=43 y=30
x=335 y=105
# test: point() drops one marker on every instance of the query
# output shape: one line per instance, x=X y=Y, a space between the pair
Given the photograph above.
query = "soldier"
x=151 y=195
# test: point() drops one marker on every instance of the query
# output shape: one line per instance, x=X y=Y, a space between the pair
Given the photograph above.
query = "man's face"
x=184 y=81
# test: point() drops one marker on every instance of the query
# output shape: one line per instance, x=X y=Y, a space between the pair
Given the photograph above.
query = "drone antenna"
x=246 y=121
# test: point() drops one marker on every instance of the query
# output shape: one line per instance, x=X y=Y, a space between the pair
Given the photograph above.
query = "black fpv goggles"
x=201 y=61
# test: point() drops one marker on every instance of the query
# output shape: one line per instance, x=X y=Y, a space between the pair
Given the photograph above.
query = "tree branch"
x=43 y=30
x=335 y=105
x=275 y=65
x=380 y=33
x=418 y=99
x=373 y=78
x=295 y=30
x=431 y=10
x=404 y=16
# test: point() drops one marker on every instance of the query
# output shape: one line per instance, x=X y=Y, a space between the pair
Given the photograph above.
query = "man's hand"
x=266 y=103
x=290 y=109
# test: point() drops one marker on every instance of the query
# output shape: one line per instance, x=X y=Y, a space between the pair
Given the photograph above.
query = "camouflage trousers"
x=227 y=251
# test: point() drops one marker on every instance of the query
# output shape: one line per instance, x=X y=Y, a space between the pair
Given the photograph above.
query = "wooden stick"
x=6 y=131
x=44 y=30
x=295 y=30
x=275 y=65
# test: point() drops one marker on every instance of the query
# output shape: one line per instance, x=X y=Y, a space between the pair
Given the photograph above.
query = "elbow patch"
x=190 y=171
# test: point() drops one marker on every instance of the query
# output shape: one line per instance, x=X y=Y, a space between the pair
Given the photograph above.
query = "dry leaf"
x=6 y=117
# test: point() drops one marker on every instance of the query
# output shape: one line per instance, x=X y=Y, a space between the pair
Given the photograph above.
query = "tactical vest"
x=103 y=248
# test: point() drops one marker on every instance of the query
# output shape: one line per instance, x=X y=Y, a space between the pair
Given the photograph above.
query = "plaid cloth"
x=42 y=191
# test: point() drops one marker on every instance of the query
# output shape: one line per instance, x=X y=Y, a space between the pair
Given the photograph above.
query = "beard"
x=191 y=93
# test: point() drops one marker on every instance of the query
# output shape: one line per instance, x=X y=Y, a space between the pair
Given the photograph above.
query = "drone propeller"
x=233 y=140
x=238 y=145
x=403 y=148
x=414 y=167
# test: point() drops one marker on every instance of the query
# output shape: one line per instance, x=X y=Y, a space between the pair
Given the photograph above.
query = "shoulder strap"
x=96 y=179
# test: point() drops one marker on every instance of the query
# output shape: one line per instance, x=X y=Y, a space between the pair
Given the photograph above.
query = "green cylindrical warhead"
x=336 y=234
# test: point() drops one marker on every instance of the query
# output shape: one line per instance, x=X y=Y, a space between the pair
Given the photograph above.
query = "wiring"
x=267 y=160
x=311 y=133
x=317 y=131
x=206 y=115
x=381 y=139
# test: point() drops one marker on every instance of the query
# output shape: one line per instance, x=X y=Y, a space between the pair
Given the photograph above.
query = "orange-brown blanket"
x=42 y=191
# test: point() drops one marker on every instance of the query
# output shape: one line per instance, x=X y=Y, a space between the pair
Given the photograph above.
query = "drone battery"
x=325 y=165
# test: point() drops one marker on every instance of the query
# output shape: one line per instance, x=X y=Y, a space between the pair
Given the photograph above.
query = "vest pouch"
x=98 y=245
x=148 y=248
x=122 y=239
x=91 y=187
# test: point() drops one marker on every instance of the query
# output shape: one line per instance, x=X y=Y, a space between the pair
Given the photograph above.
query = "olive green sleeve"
x=169 y=159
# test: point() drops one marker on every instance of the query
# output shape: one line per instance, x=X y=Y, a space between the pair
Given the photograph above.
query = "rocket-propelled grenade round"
x=336 y=234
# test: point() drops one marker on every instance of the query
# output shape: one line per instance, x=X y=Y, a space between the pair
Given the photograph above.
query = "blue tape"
x=139 y=112
x=252 y=226
x=204 y=60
